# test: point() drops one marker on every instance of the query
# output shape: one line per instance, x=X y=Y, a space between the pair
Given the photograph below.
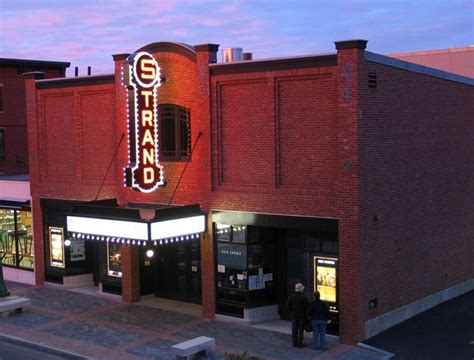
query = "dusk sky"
x=88 y=32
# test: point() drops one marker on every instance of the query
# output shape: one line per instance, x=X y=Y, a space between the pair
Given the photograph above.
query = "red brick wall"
x=274 y=141
x=416 y=175
x=13 y=118
x=73 y=142
x=13 y=121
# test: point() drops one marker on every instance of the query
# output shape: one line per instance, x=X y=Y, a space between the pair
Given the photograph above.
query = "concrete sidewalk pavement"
x=104 y=328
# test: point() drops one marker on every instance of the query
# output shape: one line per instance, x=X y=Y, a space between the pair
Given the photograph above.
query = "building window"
x=175 y=133
x=16 y=238
x=2 y=143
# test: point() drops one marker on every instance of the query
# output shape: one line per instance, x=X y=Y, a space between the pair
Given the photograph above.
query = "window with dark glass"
x=2 y=143
x=16 y=238
x=175 y=132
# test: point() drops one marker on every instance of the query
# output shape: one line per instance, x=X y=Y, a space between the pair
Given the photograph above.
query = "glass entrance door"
x=178 y=272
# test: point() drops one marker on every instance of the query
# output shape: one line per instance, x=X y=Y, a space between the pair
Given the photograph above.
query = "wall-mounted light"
x=67 y=242
x=150 y=253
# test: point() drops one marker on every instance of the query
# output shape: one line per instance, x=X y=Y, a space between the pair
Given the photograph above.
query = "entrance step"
x=171 y=305
x=252 y=316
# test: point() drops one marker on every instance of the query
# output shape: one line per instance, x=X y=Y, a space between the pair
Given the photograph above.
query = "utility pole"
x=3 y=289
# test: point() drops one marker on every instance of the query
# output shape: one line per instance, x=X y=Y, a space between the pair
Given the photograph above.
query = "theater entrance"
x=178 y=271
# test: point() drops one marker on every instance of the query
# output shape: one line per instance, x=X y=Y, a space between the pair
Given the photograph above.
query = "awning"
x=122 y=225
x=14 y=204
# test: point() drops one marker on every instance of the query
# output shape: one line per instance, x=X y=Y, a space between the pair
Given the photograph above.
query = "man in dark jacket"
x=319 y=313
x=298 y=306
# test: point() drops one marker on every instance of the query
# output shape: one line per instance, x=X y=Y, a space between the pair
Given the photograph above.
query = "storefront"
x=84 y=242
x=16 y=239
x=16 y=229
x=261 y=257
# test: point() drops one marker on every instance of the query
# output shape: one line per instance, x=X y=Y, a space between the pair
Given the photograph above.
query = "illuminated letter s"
x=148 y=69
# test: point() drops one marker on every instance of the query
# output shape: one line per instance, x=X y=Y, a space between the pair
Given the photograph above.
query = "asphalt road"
x=14 y=351
x=445 y=332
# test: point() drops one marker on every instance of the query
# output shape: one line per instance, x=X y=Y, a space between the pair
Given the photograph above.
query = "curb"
x=388 y=355
x=42 y=347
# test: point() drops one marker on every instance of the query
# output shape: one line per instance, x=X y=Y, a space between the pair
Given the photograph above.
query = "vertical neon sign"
x=142 y=79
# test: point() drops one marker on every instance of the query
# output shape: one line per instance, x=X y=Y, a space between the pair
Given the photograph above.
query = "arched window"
x=175 y=133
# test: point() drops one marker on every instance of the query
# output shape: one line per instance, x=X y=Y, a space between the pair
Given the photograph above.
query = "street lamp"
x=3 y=289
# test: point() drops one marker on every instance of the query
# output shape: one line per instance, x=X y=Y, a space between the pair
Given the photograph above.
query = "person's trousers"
x=319 y=334
x=297 y=329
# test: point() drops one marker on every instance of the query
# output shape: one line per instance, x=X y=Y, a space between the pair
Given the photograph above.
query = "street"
x=15 y=351
x=443 y=332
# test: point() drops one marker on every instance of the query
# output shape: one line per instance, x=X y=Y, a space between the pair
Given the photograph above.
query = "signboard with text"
x=142 y=79
x=232 y=256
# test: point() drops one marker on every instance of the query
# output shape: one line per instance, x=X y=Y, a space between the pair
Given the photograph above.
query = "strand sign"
x=141 y=77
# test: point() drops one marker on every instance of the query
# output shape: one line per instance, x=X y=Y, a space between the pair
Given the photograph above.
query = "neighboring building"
x=456 y=60
x=350 y=172
x=16 y=242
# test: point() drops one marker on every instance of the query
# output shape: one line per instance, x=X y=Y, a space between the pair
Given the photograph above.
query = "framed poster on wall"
x=325 y=278
x=56 y=246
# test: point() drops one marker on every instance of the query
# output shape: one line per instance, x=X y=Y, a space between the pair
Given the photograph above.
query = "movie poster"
x=56 y=246
x=325 y=278
x=114 y=261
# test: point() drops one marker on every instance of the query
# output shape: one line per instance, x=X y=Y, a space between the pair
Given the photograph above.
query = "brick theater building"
x=224 y=184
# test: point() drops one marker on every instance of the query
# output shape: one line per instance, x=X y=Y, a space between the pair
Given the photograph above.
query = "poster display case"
x=325 y=279
x=56 y=246
x=114 y=260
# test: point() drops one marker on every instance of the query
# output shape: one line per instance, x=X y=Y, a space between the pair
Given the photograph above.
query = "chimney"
x=89 y=70
x=209 y=51
x=247 y=56
x=76 y=71
x=231 y=55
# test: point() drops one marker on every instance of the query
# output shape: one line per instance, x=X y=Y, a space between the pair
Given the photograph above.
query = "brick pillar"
x=121 y=125
x=350 y=55
x=31 y=120
x=38 y=241
x=208 y=268
x=206 y=54
x=130 y=273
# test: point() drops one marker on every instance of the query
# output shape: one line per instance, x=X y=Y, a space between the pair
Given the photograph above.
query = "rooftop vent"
x=372 y=79
x=231 y=55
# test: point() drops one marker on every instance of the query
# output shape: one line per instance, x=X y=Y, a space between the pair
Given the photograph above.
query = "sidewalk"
x=106 y=328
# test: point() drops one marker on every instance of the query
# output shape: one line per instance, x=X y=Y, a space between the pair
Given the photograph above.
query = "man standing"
x=298 y=306
x=319 y=313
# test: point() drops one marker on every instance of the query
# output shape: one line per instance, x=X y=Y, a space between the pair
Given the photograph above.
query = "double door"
x=178 y=272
